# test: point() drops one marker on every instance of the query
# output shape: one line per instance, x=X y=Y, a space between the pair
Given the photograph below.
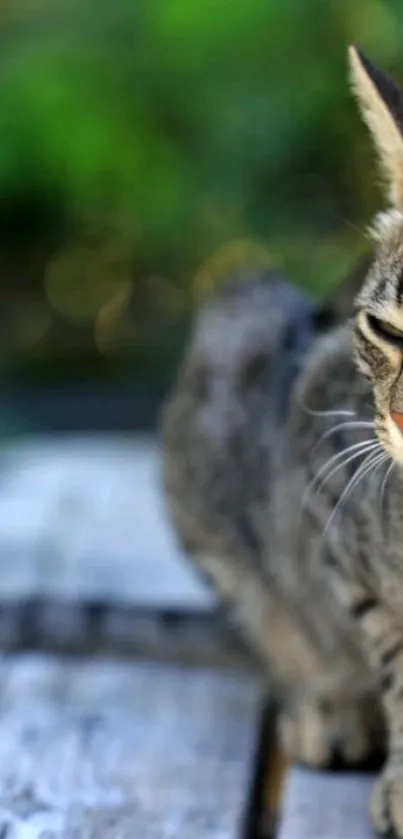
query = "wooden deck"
x=82 y=518
x=100 y=749
x=132 y=713
x=319 y=805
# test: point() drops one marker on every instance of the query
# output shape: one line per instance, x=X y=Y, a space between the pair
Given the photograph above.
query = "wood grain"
x=276 y=775
x=101 y=750
x=88 y=561
x=83 y=518
x=325 y=805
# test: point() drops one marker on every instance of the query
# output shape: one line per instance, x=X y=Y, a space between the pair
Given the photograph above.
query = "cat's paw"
x=387 y=802
x=329 y=733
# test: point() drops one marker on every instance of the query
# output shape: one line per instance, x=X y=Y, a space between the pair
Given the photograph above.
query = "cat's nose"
x=397 y=417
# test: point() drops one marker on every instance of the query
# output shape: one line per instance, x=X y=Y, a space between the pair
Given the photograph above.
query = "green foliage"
x=186 y=124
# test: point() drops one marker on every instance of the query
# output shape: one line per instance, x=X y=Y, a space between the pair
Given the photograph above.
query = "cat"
x=283 y=472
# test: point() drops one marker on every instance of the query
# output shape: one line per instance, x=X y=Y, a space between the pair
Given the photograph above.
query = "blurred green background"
x=149 y=147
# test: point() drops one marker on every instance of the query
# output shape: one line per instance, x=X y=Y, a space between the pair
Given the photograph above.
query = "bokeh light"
x=149 y=150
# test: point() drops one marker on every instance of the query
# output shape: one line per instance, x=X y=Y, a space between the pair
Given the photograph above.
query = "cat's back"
x=229 y=406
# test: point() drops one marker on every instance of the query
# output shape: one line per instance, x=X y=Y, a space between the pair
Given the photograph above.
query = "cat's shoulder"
x=329 y=379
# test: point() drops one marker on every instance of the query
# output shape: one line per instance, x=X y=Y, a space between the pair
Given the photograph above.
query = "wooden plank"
x=264 y=800
x=105 y=629
x=83 y=518
x=324 y=805
x=88 y=561
x=105 y=750
x=275 y=775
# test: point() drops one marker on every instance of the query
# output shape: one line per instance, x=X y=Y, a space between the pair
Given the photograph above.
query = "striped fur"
x=286 y=487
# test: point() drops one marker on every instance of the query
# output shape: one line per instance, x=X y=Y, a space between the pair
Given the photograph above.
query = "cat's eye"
x=386 y=331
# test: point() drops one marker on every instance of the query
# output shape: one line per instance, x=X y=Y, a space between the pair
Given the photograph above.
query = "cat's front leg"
x=383 y=640
x=385 y=646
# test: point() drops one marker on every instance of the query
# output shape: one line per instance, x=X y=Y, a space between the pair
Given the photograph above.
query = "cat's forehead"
x=383 y=288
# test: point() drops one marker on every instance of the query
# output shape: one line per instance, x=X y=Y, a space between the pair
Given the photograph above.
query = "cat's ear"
x=381 y=104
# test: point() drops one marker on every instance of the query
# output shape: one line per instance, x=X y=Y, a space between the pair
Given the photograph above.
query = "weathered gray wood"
x=83 y=518
x=100 y=750
x=72 y=628
x=88 y=561
x=321 y=805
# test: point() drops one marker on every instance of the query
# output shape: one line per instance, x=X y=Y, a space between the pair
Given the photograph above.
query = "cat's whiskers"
x=349 y=223
x=343 y=413
x=342 y=425
x=384 y=483
x=367 y=449
x=371 y=463
x=345 y=456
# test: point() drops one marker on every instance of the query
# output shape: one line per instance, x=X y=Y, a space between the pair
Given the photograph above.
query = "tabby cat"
x=283 y=455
